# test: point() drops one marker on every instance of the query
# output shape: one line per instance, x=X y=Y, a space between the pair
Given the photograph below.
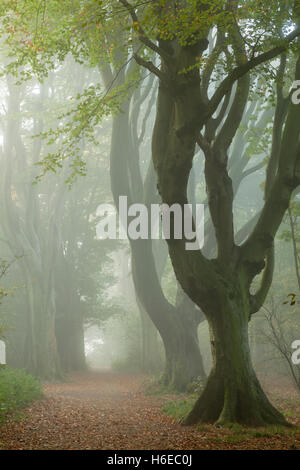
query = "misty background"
x=68 y=301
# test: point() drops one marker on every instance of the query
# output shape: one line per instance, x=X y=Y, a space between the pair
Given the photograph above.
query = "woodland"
x=118 y=332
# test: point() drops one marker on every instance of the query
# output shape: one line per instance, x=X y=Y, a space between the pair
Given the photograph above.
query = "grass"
x=241 y=433
x=179 y=408
x=231 y=433
x=17 y=389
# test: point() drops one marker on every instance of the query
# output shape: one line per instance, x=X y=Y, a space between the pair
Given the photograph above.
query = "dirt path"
x=110 y=411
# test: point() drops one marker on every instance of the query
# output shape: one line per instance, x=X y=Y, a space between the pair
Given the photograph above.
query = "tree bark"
x=177 y=325
x=233 y=393
x=184 y=362
x=150 y=360
x=70 y=341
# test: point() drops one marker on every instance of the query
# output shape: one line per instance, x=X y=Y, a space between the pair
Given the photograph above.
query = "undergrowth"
x=17 y=389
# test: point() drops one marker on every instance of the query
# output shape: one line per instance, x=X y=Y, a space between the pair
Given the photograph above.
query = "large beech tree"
x=220 y=286
x=202 y=53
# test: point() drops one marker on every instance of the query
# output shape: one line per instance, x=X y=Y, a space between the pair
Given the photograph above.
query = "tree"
x=24 y=234
x=279 y=334
x=183 y=358
x=60 y=267
x=221 y=287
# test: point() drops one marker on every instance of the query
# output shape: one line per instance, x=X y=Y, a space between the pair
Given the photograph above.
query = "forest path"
x=100 y=410
x=104 y=410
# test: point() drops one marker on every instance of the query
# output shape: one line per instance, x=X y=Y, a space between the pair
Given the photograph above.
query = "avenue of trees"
x=182 y=102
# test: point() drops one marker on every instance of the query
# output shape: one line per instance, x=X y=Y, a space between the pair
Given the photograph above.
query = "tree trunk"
x=144 y=272
x=47 y=364
x=177 y=326
x=233 y=393
x=70 y=342
x=183 y=358
x=150 y=360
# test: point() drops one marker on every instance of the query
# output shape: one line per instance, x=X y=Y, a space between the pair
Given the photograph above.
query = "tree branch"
x=258 y=299
x=278 y=197
x=252 y=170
x=142 y=35
x=149 y=65
x=295 y=251
x=243 y=69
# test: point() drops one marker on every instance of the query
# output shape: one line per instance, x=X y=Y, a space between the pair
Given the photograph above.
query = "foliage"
x=41 y=35
x=4 y=266
x=17 y=389
x=4 y=292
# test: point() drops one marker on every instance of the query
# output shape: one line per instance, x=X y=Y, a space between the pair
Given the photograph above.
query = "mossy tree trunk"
x=70 y=340
x=177 y=325
x=150 y=357
x=233 y=393
x=184 y=362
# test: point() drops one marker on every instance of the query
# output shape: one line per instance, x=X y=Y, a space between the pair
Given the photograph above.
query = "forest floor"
x=105 y=410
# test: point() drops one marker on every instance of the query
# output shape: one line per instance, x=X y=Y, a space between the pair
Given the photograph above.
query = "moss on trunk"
x=233 y=393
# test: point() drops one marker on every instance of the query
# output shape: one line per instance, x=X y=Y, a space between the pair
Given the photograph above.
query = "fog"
x=72 y=299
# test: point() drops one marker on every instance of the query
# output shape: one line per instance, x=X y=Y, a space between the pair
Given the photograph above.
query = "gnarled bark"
x=233 y=393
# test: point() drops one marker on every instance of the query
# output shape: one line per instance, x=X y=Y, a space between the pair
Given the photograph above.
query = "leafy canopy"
x=40 y=34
